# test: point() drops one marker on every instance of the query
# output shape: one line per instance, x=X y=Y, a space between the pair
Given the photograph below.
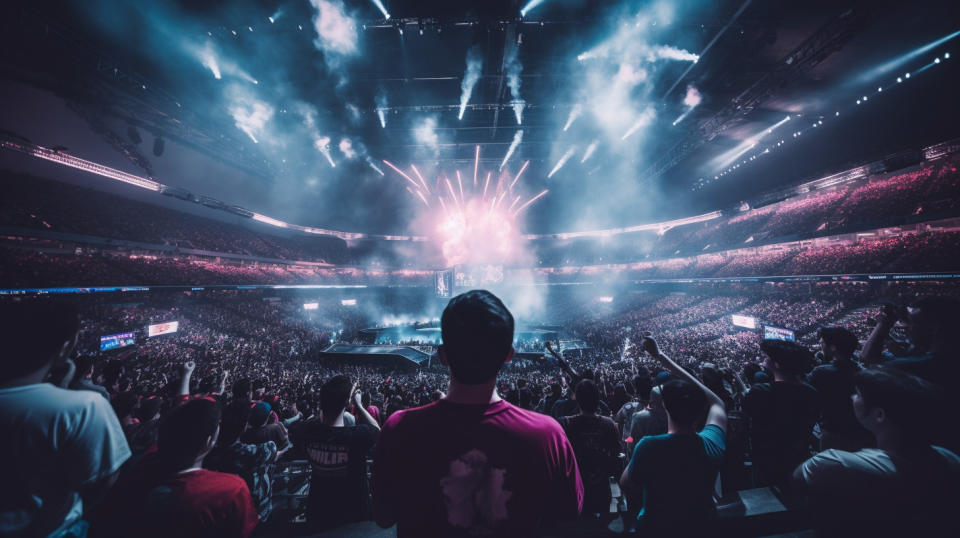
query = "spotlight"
x=880 y=88
x=820 y=122
x=420 y=26
x=946 y=55
x=858 y=101
x=837 y=114
x=864 y=97
x=936 y=60
x=899 y=79
x=907 y=75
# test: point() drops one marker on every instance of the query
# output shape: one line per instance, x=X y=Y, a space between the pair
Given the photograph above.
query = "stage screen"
x=348 y=302
x=163 y=328
x=443 y=283
x=311 y=306
x=777 y=333
x=477 y=276
x=116 y=341
x=746 y=322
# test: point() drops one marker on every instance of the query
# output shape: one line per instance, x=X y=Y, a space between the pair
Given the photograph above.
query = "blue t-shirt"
x=677 y=474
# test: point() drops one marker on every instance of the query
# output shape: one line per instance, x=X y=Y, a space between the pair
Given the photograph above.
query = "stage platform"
x=402 y=356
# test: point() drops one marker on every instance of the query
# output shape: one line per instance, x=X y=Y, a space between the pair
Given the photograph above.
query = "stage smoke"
x=574 y=114
x=590 y=149
x=513 y=69
x=336 y=31
x=645 y=118
x=563 y=160
x=517 y=138
x=470 y=78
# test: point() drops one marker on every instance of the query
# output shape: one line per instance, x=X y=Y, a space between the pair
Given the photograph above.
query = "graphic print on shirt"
x=329 y=459
x=474 y=493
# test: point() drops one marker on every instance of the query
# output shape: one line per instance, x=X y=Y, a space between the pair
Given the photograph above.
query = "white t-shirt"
x=853 y=491
x=56 y=441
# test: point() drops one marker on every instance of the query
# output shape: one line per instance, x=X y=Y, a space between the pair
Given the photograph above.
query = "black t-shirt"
x=782 y=416
x=834 y=384
x=339 y=489
x=596 y=444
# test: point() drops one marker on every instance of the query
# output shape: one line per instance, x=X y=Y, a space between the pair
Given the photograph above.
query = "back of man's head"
x=909 y=403
x=934 y=320
x=684 y=401
x=588 y=396
x=789 y=358
x=334 y=395
x=259 y=414
x=656 y=398
x=32 y=333
x=185 y=433
x=84 y=365
x=242 y=389
x=845 y=341
x=477 y=332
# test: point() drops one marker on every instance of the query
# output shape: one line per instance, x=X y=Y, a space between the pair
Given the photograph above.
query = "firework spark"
x=475 y=225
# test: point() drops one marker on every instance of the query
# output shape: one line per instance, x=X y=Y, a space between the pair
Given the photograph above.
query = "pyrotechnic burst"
x=477 y=221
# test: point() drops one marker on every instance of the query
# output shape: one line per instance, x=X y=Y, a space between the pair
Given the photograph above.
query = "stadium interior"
x=247 y=203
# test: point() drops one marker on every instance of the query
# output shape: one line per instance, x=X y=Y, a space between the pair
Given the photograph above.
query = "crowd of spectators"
x=920 y=252
x=184 y=431
x=927 y=192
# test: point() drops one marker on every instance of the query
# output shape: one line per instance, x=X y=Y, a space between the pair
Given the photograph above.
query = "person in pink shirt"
x=471 y=463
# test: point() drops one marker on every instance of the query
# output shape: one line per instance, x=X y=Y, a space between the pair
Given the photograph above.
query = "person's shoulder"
x=824 y=370
x=607 y=421
x=402 y=417
x=837 y=460
x=218 y=480
x=952 y=459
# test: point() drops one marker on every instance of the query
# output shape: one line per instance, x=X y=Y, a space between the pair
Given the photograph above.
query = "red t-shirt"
x=448 y=469
x=198 y=504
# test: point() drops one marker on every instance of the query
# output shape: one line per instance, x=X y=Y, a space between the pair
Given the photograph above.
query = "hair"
x=477 y=332
x=642 y=384
x=937 y=318
x=556 y=389
x=84 y=364
x=242 y=388
x=149 y=407
x=684 y=401
x=907 y=400
x=334 y=395
x=790 y=357
x=588 y=396
x=845 y=341
x=183 y=434
x=33 y=332
x=124 y=404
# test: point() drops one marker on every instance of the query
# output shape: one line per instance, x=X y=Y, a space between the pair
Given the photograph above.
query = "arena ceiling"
x=628 y=110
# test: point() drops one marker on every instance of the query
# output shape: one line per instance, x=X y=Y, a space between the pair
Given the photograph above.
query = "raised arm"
x=717 y=414
x=874 y=344
x=358 y=404
x=186 y=371
x=564 y=365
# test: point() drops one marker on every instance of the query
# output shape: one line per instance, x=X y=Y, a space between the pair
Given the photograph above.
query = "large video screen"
x=477 y=276
x=778 y=333
x=443 y=283
x=116 y=341
x=163 y=328
x=311 y=306
x=747 y=322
